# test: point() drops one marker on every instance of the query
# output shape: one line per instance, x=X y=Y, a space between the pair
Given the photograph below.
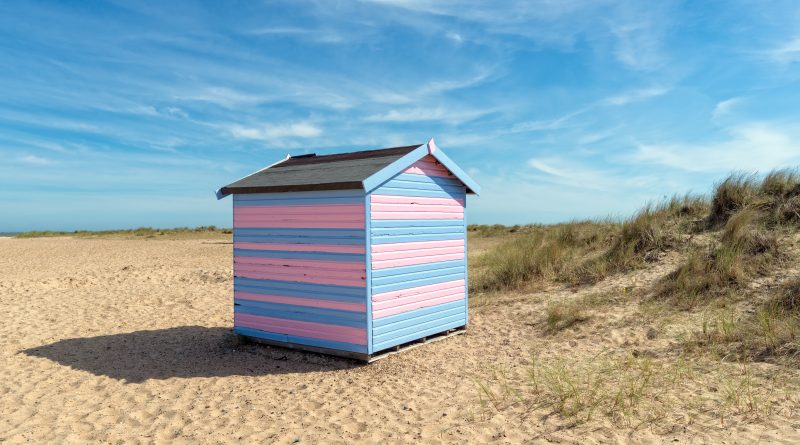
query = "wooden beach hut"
x=351 y=254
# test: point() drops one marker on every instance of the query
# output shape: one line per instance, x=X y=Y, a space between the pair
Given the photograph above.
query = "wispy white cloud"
x=564 y=120
x=224 y=96
x=785 y=52
x=35 y=160
x=312 y=34
x=455 y=37
x=635 y=96
x=420 y=114
x=753 y=146
x=639 y=43
x=725 y=106
x=548 y=124
x=635 y=30
x=591 y=138
x=573 y=174
x=271 y=132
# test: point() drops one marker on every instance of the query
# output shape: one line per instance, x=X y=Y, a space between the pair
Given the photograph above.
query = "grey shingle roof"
x=311 y=172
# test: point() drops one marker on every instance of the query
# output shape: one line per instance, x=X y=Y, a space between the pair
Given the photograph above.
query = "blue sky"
x=126 y=114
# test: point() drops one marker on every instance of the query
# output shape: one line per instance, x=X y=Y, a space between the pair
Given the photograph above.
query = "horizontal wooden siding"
x=417 y=255
x=300 y=268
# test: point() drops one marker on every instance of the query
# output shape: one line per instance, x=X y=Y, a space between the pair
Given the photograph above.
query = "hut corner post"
x=368 y=268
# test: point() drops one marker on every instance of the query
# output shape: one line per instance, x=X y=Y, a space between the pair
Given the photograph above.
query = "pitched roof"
x=364 y=170
x=312 y=172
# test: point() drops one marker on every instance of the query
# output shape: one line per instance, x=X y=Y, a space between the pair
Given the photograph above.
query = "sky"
x=129 y=114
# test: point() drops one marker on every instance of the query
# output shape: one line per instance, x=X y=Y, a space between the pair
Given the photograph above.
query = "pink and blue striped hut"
x=351 y=254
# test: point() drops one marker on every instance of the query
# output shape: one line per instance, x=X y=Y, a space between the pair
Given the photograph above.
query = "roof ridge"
x=371 y=150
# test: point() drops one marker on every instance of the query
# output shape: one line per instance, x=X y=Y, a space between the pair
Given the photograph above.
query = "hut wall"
x=299 y=268
x=417 y=255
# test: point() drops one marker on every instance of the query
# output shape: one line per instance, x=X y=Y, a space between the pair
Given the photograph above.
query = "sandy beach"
x=129 y=341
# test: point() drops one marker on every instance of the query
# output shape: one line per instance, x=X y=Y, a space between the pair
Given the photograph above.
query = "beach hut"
x=351 y=254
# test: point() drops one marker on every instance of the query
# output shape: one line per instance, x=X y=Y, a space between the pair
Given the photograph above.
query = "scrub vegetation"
x=141 y=232
x=705 y=280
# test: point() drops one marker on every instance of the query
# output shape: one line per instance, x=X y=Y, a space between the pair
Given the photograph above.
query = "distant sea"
x=8 y=233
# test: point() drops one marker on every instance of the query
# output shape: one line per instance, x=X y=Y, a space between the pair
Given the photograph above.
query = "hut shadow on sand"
x=181 y=352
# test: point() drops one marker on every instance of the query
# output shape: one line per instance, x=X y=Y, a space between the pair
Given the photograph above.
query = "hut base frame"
x=366 y=358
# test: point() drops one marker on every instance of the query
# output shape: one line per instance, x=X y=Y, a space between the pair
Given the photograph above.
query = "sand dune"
x=129 y=341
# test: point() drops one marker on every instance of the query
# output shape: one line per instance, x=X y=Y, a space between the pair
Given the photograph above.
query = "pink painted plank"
x=330 y=248
x=418 y=290
x=302 y=328
x=416 y=215
x=394 y=302
x=299 y=270
x=392 y=247
x=350 y=209
x=265 y=273
x=417 y=260
x=269 y=218
x=297 y=301
x=298 y=224
x=420 y=304
x=428 y=166
x=416 y=208
x=394 y=199
x=301 y=263
x=428 y=171
x=394 y=255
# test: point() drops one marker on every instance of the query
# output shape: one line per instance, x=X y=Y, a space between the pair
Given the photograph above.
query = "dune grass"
x=585 y=252
x=631 y=391
x=771 y=331
x=141 y=232
x=745 y=250
x=752 y=213
x=730 y=249
x=744 y=217
x=545 y=253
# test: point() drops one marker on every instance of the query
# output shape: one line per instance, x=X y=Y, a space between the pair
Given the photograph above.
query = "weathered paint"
x=417 y=254
x=429 y=166
x=300 y=268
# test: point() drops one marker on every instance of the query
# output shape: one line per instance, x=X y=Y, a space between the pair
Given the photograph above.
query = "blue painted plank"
x=405 y=319
x=322 y=256
x=310 y=290
x=430 y=186
x=394 y=191
x=420 y=326
x=266 y=290
x=408 y=283
x=342 y=346
x=456 y=224
x=301 y=313
x=416 y=316
x=424 y=179
x=394 y=231
x=387 y=239
x=452 y=274
x=431 y=268
x=417 y=335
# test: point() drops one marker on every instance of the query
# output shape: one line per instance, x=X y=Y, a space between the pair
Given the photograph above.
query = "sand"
x=129 y=341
